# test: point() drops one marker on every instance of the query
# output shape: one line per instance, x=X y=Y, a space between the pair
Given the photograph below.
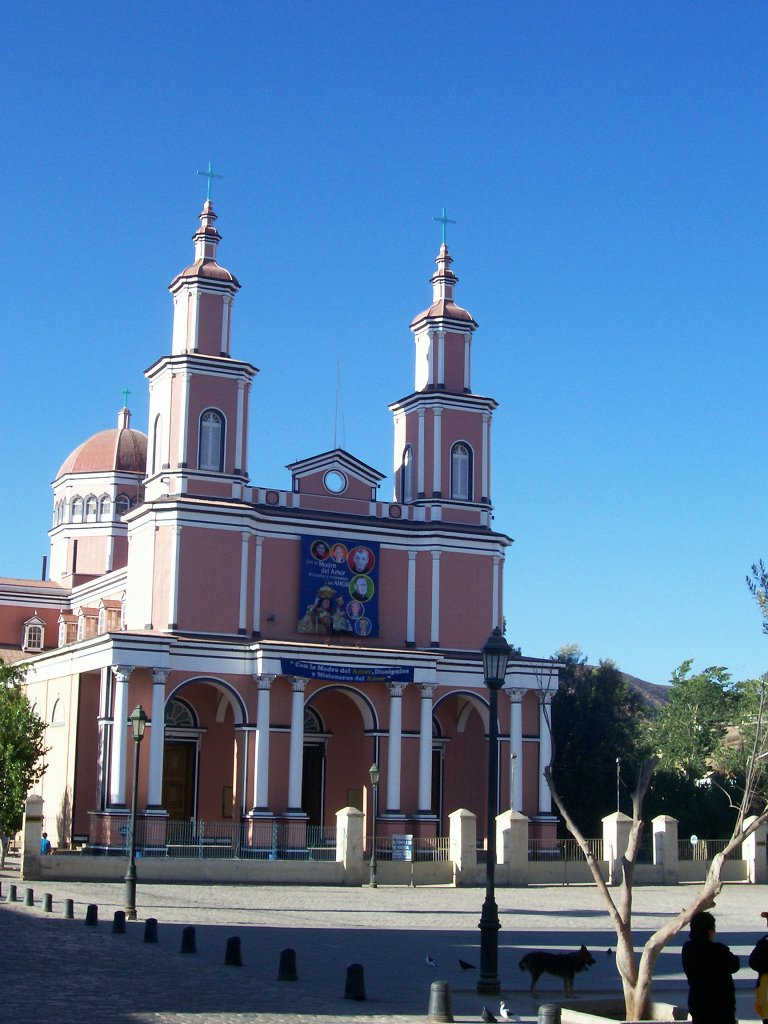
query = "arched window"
x=122 y=504
x=77 y=508
x=312 y=721
x=406 y=475
x=179 y=715
x=57 y=715
x=157 y=441
x=461 y=472
x=211 y=446
x=91 y=508
x=105 y=507
x=34 y=635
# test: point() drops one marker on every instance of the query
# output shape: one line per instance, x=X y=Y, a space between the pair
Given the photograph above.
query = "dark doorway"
x=179 y=780
x=312 y=783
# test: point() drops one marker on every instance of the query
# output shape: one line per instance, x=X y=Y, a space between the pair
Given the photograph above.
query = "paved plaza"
x=56 y=970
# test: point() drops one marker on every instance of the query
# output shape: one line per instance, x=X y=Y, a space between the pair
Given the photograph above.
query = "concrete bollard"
x=150 y=929
x=287 y=968
x=48 y=902
x=12 y=894
x=232 y=955
x=118 y=923
x=549 y=1013
x=354 y=987
x=440 y=1002
x=92 y=914
x=188 y=940
x=69 y=909
x=29 y=897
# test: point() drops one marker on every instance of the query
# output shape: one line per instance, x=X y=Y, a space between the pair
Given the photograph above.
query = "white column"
x=434 y=637
x=105 y=692
x=467 y=361
x=194 y=325
x=420 y=457
x=441 y=356
x=410 y=615
x=485 y=459
x=437 y=449
x=545 y=751
x=226 y=313
x=243 y=581
x=239 y=427
x=256 y=627
x=296 y=759
x=425 y=749
x=495 y=590
x=173 y=578
x=515 y=749
x=182 y=424
x=122 y=674
x=157 y=739
x=394 y=749
x=261 y=751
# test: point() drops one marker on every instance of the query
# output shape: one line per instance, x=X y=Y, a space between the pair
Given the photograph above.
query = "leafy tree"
x=596 y=718
x=757 y=582
x=21 y=750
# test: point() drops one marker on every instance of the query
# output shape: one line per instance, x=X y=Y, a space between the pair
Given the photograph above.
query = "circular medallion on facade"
x=334 y=481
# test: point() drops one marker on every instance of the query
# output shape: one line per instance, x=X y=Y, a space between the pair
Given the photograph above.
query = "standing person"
x=758 y=961
x=709 y=966
x=45 y=844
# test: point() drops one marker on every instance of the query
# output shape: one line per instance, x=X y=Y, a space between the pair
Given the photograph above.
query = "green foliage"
x=689 y=731
x=758 y=585
x=596 y=717
x=21 y=748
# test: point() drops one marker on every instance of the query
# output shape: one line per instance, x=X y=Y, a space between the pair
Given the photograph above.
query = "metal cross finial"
x=210 y=175
x=444 y=220
x=126 y=392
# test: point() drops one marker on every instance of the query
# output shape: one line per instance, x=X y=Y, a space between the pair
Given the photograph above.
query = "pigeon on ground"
x=488 y=1016
x=466 y=966
x=503 y=1011
x=430 y=961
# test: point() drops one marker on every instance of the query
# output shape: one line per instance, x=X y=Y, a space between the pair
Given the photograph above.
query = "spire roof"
x=443 y=283
x=206 y=240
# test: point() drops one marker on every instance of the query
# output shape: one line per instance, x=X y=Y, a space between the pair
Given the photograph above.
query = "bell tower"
x=198 y=395
x=443 y=430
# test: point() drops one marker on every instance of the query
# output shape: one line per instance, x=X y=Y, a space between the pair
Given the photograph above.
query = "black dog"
x=561 y=965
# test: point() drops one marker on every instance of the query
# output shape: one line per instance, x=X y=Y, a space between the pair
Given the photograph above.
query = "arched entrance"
x=339 y=747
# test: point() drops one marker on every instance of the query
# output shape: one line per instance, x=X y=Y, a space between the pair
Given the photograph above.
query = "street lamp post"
x=138 y=720
x=496 y=653
x=374 y=773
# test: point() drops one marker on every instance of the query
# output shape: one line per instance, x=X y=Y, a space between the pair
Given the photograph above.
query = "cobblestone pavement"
x=56 y=970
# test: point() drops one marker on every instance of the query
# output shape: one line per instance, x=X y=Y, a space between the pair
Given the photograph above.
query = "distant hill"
x=655 y=695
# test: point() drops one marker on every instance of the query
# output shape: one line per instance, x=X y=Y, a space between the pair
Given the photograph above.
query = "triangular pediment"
x=336 y=461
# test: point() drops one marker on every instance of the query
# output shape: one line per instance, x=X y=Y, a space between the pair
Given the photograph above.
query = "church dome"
x=120 y=450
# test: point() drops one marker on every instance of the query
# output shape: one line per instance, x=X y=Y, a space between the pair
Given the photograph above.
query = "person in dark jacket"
x=709 y=967
x=758 y=961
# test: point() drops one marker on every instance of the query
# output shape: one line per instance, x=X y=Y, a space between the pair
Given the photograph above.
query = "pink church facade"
x=281 y=640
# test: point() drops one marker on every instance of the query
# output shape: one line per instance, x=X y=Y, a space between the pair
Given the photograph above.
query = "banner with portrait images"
x=339 y=587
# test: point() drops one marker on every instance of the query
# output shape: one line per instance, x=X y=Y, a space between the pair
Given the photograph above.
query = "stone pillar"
x=512 y=847
x=425 y=750
x=515 y=748
x=122 y=674
x=157 y=740
x=261 y=752
x=296 y=757
x=349 y=844
x=665 y=848
x=462 y=844
x=616 y=829
x=545 y=751
x=394 y=747
x=753 y=852
x=31 y=834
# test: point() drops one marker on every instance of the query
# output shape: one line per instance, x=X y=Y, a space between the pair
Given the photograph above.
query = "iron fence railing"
x=409 y=848
x=705 y=849
x=221 y=840
x=562 y=849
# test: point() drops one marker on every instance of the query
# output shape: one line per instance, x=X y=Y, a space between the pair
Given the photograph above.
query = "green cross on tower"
x=126 y=392
x=444 y=220
x=210 y=175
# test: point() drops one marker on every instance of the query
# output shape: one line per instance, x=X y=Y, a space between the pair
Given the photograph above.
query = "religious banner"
x=344 y=673
x=338 y=590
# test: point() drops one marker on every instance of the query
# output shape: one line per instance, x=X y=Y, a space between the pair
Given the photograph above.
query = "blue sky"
x=605 y=164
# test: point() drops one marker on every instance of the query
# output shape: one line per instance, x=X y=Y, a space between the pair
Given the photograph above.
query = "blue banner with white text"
x=339 y=585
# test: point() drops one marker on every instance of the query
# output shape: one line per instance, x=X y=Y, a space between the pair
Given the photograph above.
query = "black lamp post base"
x=488 y=983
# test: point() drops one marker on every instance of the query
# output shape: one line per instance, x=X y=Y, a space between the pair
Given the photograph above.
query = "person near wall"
x=758 y=961
x=709 y=967
x=45 y=844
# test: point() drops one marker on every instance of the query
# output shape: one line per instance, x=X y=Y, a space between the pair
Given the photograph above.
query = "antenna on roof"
x=339 y=410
